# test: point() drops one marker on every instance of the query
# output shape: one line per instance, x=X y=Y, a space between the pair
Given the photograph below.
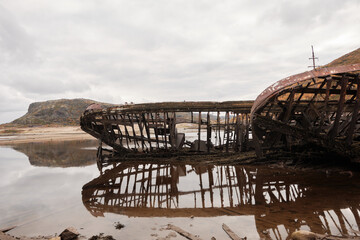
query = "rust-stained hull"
x=318 y=107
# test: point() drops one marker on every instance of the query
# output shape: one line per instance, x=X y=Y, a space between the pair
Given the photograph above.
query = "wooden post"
x=138 y=120
x=237 y=133
x=218 y=124
x=156 y=129
x=146 y=124
x=119 y=130
x=227 y=125
x=208 y=134
x=173 y=131
x=199 y=131
x=141 y=128
x=165 y=118
x=133 y=130
x=334 y=130
x=126 y=131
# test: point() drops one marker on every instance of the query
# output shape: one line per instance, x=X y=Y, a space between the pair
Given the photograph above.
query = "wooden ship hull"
x=153 y=127
x=318 y=108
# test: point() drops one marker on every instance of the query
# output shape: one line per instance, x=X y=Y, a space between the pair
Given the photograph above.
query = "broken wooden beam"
x=229 y=232
x=182 y=232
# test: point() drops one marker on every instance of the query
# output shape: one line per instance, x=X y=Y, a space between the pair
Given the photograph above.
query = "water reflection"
x=277 y=199
x=59 y=154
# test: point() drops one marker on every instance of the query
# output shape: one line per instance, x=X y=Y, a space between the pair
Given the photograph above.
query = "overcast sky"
x=163 y=50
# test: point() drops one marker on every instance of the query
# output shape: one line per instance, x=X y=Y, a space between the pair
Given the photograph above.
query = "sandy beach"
x=14 y=135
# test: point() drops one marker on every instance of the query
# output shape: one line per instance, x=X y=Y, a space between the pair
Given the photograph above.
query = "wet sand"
x=16 y=135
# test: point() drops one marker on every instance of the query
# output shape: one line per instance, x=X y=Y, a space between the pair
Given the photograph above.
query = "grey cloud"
x=308 y=13
x=15 y=44
x=165 y=50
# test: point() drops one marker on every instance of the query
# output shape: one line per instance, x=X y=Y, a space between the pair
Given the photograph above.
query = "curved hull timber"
x=319 y=108
x=156 y=127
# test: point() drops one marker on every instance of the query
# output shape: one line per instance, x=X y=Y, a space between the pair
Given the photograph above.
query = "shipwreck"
x=316 y=108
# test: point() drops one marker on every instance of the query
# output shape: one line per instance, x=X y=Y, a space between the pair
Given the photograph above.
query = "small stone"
x=172 y=234
x=69 y=234
x=213 y=238
x=153 y=229
x=192 y=216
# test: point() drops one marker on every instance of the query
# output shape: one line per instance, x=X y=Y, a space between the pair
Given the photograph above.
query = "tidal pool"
x=46 y=187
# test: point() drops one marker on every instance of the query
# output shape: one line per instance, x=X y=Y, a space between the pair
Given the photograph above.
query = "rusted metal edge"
x=238 y=106
x=299 y=78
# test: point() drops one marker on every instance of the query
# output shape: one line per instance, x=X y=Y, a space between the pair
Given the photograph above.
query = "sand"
x=14 y=135
x=41 y=134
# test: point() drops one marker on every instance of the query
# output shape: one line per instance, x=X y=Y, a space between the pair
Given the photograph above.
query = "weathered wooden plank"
x=229 y=232
x=199 y=132
x=237 y=133
x=208 y=133
x=218 y=123
x=4 y=230
x=183 y=233
x=172 y=126
x=165 y=137
x=227 y=121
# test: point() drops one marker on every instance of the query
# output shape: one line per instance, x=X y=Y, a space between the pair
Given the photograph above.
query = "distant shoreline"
x=14 y=135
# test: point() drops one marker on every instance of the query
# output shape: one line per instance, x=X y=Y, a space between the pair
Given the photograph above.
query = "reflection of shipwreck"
x=319 y=107
x=275 y=199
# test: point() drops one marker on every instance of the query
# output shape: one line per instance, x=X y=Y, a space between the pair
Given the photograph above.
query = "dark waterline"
x=47 y=187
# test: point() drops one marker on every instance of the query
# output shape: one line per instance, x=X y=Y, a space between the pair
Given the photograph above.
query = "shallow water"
x=46 y=187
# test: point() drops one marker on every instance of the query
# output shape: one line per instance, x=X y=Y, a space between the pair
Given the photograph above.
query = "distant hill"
x=56 y=112
x=349 y=58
